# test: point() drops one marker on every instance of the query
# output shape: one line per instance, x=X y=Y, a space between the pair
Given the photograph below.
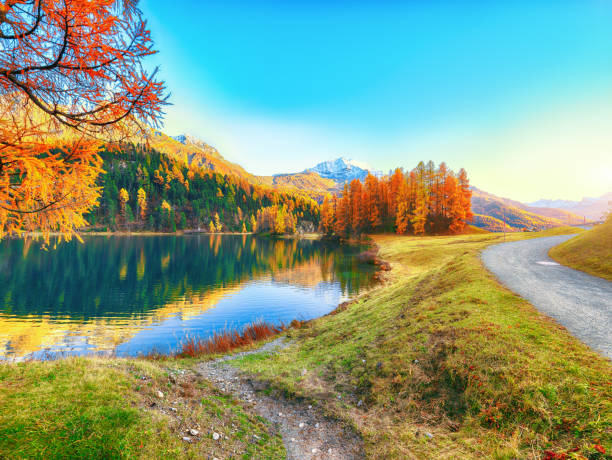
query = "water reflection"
x=139 y=293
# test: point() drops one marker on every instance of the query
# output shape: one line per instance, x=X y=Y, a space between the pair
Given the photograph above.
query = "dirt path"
x=307 y=434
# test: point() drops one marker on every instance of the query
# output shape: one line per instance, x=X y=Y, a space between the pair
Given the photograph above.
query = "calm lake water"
x=137 y=294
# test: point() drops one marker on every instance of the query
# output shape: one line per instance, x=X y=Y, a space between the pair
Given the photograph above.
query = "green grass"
x=103 y=409
x=443 y=349
x=590 y=252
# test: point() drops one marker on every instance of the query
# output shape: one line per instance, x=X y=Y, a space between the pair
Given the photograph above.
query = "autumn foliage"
x=71 y=75
x=424 y=200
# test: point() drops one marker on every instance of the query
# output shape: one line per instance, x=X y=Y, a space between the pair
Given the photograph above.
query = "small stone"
x=301 y=425
x=216 y=436
x=194 y=432
x=186 y=439
x=160 y=395
x=314 y=450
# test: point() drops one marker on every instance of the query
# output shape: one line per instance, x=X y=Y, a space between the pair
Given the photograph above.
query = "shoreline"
x=306 y=236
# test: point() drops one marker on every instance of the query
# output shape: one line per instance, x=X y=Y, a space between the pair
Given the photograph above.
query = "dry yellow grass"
x=590 y=252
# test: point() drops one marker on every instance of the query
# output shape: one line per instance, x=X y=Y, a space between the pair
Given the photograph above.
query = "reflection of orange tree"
x=22 y=336
x=157 y=277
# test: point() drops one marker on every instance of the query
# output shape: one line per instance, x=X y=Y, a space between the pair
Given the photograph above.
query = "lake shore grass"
x=440 y=361
x=443 y=362
x=590 y=252
x=228 y=340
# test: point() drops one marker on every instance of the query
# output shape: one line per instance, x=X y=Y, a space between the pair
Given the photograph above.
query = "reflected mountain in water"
x=135 y=294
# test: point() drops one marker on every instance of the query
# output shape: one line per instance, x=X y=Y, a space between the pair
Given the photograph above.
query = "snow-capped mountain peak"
x=187 y=139
x=341 y=170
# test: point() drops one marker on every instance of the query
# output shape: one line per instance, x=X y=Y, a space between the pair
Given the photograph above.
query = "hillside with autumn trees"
x=426 y=200
x=143 y=189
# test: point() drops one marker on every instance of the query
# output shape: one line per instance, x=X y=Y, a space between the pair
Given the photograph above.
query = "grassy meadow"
x=100 y=408
x=440 y=361
x=590 y=252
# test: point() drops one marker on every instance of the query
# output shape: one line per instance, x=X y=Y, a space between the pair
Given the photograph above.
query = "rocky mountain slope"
x=189 y=150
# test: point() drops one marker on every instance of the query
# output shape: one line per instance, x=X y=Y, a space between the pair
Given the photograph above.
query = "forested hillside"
x=143 y=189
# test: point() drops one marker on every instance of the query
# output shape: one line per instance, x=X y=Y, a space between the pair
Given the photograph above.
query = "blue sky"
x=517 y=92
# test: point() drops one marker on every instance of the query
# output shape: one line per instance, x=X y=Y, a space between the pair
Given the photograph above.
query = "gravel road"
x=580 y=302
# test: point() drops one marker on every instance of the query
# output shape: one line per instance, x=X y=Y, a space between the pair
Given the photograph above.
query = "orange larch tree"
x=466 y=194
x=371 y=202
x=402 y=215
x=357 y=209
x=395 y=184
x=341 y=224
x=327 y=216
x=71 y=76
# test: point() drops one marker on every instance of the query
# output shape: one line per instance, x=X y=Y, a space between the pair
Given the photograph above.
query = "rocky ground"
x=306 y=432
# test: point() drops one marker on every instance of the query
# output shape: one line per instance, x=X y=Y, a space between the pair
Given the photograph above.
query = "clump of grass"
x=228 y=340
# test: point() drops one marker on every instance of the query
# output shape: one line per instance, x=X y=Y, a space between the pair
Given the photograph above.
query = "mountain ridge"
x=491 y=212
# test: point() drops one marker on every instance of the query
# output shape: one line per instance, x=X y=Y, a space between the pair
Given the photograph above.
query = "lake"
x=131 y=295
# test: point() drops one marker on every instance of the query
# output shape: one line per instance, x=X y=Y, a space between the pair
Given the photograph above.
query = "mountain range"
x=490 y=212
x=496 y=213
x=591 y=208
